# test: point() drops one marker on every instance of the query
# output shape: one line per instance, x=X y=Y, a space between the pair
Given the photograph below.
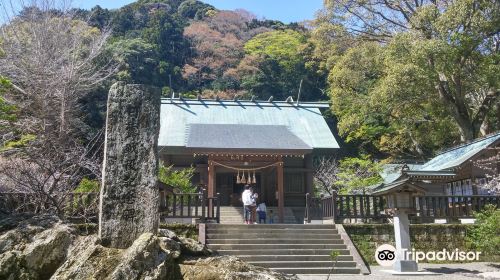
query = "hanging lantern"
x=254 y=180
x=238 y=181
x=243 y=180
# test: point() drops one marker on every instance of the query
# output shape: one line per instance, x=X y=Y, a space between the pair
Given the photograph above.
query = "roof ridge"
x=243 y=103
x=479 y=139
x=244 y=100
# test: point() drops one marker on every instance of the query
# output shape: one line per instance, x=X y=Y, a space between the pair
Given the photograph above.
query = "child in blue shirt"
x=261 y=211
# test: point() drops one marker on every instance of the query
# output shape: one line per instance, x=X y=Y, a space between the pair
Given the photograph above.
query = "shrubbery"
x=485 y=236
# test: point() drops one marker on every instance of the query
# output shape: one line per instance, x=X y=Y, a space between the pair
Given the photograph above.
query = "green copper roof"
x=458 y=155
x=304 y=120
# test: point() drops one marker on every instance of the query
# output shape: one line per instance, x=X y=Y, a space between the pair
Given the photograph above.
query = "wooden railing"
x=190 y=205
x=372 y=208
x=72 y=205
x=85 y=205
x=339 y=207
x=452 y=206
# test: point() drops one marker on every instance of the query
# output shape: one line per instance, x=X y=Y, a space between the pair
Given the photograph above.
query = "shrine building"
x=267 y=144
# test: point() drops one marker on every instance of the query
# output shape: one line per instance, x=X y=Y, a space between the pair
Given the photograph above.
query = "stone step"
x=268 y=231
x=284 y=235
x=288 y=248
x=271 y=241
x=278 y=226
x=292 y=258
x=317 y=270
x=276 y=246
x=284 y=264
x=242 y=222
x=280 y=252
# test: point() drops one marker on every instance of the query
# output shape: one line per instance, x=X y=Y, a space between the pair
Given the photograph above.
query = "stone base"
x=405 y=266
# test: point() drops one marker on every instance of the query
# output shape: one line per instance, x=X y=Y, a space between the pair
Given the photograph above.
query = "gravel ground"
x=479 y=270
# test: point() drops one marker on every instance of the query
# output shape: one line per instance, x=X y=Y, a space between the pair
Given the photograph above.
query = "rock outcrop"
x=35 y=249
x=47 y=248
x=227 y=268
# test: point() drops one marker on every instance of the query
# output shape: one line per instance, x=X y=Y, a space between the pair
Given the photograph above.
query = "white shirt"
x=246 y=197
x=262 y=207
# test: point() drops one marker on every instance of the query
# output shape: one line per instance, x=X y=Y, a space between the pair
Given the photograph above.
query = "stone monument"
x=400 y=199
x=129 y=198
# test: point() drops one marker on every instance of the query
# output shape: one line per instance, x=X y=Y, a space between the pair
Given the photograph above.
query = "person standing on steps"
x=246 y=198
x=271 y=217
x=253 y=207
x=261 y=211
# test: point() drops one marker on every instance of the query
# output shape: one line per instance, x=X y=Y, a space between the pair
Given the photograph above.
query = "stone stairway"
x=288 y=248
x=234 y=215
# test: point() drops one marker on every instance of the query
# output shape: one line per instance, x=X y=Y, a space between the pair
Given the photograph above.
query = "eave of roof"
x=243 y=103
x=454 y=157
x=421 y=174
x=400 y=185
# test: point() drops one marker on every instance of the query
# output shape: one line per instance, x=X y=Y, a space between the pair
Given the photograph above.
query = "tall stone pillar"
x=402 y=236
x=129 y=199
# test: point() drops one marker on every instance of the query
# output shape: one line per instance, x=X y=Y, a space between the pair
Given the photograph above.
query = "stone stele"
x=129 y=198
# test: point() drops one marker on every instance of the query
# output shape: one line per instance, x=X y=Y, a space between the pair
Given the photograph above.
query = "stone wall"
x=424 y=237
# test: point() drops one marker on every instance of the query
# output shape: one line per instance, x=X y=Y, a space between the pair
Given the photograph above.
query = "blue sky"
x=284 y=10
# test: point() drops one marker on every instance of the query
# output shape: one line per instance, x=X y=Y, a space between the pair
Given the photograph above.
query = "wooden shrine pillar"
x=308 y=164
x=211 y=186
x=281 y=195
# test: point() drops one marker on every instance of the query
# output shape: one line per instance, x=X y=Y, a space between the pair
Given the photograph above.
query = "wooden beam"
x=211 y=185
x=308 y=164
x=281 y=195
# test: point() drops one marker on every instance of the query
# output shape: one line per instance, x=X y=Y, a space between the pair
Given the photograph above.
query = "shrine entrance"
x=228 y=174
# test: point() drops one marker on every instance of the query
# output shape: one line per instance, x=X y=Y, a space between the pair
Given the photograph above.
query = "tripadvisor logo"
x=386 y=255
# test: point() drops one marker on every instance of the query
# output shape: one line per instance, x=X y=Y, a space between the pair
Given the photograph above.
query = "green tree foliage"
x=356 y=174
x=430 y=72
x=137 y=59
x=348 y=175
x=485 y=236
x=275 y=64
x=7 y=111
x=194 y=9
x=384 y=106
x=87 y=185
x=179 y=179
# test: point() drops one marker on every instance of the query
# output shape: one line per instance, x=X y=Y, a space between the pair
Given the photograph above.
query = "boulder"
x=169 y=244
x=191 y=247
x=48 y=250
x=33 y=252
x=87 y=259
x=163 y=232
x=145 y=259
x=227 y=268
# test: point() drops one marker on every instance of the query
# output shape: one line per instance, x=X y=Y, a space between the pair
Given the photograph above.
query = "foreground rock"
x=47 y=248
x=34 y=249
x=145 y=259
x=227 y=268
